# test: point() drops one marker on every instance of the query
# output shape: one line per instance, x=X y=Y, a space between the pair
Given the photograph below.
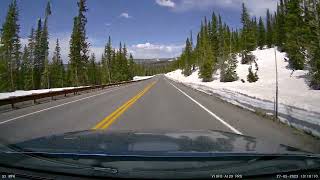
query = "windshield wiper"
x=53 y=160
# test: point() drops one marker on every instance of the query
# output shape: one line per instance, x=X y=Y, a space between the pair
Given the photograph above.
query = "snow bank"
x=39 y=91
x=299 y=105
x=138 y=78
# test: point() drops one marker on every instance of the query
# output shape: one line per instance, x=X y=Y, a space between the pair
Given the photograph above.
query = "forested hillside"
x=29 y=67
x=294 y=28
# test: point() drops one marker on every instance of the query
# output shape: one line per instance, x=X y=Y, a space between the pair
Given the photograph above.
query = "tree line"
x=29 y=67
x=293 y=28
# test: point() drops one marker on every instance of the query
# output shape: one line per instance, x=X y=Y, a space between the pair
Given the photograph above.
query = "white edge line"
x=211 y=113
x=46 y=109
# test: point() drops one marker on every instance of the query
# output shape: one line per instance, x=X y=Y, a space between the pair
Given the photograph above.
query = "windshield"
x=234 y=84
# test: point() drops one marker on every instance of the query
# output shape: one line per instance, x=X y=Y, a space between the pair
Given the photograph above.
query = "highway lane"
x=70 y=114
x=157 y=103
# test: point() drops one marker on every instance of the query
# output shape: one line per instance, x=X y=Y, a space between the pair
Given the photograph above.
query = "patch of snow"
x=298 y=104
x=19 y=93
x=138 y=78
x=40 y=91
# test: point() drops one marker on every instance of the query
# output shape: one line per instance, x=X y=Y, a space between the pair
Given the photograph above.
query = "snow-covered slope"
x=299 y=105
x=138 y=78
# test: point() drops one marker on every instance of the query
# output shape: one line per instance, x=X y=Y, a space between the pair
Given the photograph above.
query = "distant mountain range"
x=154 y=60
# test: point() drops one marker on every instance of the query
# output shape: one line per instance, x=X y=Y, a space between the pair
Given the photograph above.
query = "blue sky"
x=150 y=28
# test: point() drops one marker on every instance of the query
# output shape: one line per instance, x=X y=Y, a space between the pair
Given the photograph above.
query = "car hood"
x=153 y=143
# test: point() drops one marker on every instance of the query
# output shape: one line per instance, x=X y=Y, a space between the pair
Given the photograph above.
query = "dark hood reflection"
x=154 y=143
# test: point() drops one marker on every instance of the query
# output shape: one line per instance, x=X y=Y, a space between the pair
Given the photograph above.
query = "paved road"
x=157 y=103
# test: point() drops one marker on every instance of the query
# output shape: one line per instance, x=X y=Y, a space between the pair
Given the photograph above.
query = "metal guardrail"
x=35 y=97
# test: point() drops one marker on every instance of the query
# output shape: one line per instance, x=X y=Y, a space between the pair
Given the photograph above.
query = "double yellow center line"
x=106 y=122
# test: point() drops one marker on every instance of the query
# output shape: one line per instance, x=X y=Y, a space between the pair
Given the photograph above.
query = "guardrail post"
x=12 y=105
x=34 y=101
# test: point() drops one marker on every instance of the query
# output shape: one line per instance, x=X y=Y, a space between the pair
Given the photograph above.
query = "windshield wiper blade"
x=54 y=158
x=269 y=157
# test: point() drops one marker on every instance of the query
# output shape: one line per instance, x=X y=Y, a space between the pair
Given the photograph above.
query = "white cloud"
x=149 y=50
x=125 y=15
x=166 y=3
x=255 y=7
x=63 y=42
x=97 y=50
x=24 y=42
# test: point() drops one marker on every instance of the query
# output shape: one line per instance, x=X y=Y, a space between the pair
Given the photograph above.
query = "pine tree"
x=206 y=71
x=280 y=26
x=236 y=41
x=10 y=41
x=307 y=17
x=221 y=49
x=253 y=77
x=124 y=64
x=206 y=55
x=104 y=70
x=38 y=58
x=79 y=48
x=229 y=65
x=248 y=39
x=24 y=72
x=98 y=73
x=92 y=70
x=214 y=35
x=131 y=67
x=120 y=64
x=192 y=54
x=84 y=52
x=75 y=57
x=314 y=25
x=45 y=75
x=269 y=37
x=3 y=69
x=188 y=58
x=226 y=41
x=116 y=70
x=57 y=71
x=68 y=75
x=294 y=34
x=31 y=51
x=108 y=57
x=114 y=66
x=228 y=71
x=274 y=24
x=255 y=30
x=262 y=34
x=220 y=39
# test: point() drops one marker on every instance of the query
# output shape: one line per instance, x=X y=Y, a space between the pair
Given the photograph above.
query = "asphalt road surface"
x=157 y=103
